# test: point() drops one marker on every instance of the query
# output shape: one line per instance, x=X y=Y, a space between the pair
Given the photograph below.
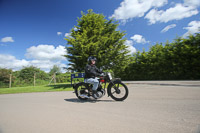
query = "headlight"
x=110 y=76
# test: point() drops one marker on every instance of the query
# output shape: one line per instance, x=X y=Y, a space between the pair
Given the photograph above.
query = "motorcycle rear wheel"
x=81 y=89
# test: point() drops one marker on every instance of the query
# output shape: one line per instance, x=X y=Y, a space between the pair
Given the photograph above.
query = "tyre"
x=81 y=89
x=118 y=91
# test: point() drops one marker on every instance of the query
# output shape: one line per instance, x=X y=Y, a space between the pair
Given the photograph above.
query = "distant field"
x=42 y=88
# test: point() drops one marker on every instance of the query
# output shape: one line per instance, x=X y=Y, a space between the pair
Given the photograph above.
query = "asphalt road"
x=151 y=107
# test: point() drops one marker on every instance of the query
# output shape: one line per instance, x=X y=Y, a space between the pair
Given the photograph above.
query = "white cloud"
x=168 y=27
x=194 y=3
x=130 y=9
x=193 y=27
x=41 y=56
x=9 y=61
x=135 y=8
x=178 y=12
x=7 y=39
x=67 y=34
x=46 y=52
x=132 y=49
x=46 y=65
x=139 y=39
x=59 y=33
x=46 y=56
x=75 y=29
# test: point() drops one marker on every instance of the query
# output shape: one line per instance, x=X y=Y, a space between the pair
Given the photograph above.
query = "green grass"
x=42 y=88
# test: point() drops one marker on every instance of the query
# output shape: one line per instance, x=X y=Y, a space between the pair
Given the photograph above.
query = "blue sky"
x=32 y=31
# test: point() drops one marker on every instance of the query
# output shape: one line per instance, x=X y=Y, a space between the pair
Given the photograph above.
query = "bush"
x=5 y=75
x=62 y=78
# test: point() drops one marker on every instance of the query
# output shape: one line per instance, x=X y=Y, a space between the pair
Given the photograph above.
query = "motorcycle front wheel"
x=118 y=91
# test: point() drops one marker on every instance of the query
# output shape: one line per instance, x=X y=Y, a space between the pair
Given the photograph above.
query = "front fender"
x=115 y=81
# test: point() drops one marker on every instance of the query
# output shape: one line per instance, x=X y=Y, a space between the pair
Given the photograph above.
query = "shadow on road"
x=61 y=86
x=76 y=100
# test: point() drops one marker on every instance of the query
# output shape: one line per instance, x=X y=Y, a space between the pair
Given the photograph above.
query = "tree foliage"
x=5 y=75
x=27 y=74
x=177 y=60
x=55 y=69
x=96 y=36
x=25 y=77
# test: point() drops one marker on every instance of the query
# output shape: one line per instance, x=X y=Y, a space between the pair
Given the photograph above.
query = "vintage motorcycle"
x=115 y=88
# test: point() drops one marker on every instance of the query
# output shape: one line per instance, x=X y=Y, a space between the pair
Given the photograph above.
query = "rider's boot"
x=95 y=94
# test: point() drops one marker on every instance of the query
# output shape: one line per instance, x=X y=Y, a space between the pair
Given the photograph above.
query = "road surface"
x=151 y=107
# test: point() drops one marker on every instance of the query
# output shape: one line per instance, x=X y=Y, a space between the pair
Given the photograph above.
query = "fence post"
x=54 y=78
x=10 y=81
x=34 y=79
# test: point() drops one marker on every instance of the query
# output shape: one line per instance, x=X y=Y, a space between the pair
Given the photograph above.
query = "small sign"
x=77 y=75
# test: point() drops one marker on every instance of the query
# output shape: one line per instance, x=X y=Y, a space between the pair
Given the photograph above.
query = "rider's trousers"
x=93 y=81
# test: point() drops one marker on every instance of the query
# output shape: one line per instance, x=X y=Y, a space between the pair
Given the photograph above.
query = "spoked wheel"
x=118 y=91
x=82 y=91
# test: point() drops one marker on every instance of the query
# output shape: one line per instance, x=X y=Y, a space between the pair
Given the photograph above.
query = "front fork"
x=117 y=90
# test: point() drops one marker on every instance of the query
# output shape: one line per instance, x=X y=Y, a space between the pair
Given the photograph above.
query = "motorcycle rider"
x=91 y=73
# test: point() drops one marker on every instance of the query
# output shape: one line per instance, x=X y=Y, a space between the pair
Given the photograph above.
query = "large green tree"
x=96 y=36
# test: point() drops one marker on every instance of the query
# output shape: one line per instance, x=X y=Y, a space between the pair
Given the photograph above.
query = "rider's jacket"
x=91 y=71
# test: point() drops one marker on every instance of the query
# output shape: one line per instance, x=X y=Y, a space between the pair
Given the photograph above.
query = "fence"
x=14 y=81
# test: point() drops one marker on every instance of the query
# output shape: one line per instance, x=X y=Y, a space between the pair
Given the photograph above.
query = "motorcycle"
x=115 y=89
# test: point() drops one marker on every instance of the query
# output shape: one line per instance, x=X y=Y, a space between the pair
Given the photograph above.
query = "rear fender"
x=75 y=84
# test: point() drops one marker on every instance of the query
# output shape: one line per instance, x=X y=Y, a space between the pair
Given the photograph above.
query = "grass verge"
x=42 y=88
